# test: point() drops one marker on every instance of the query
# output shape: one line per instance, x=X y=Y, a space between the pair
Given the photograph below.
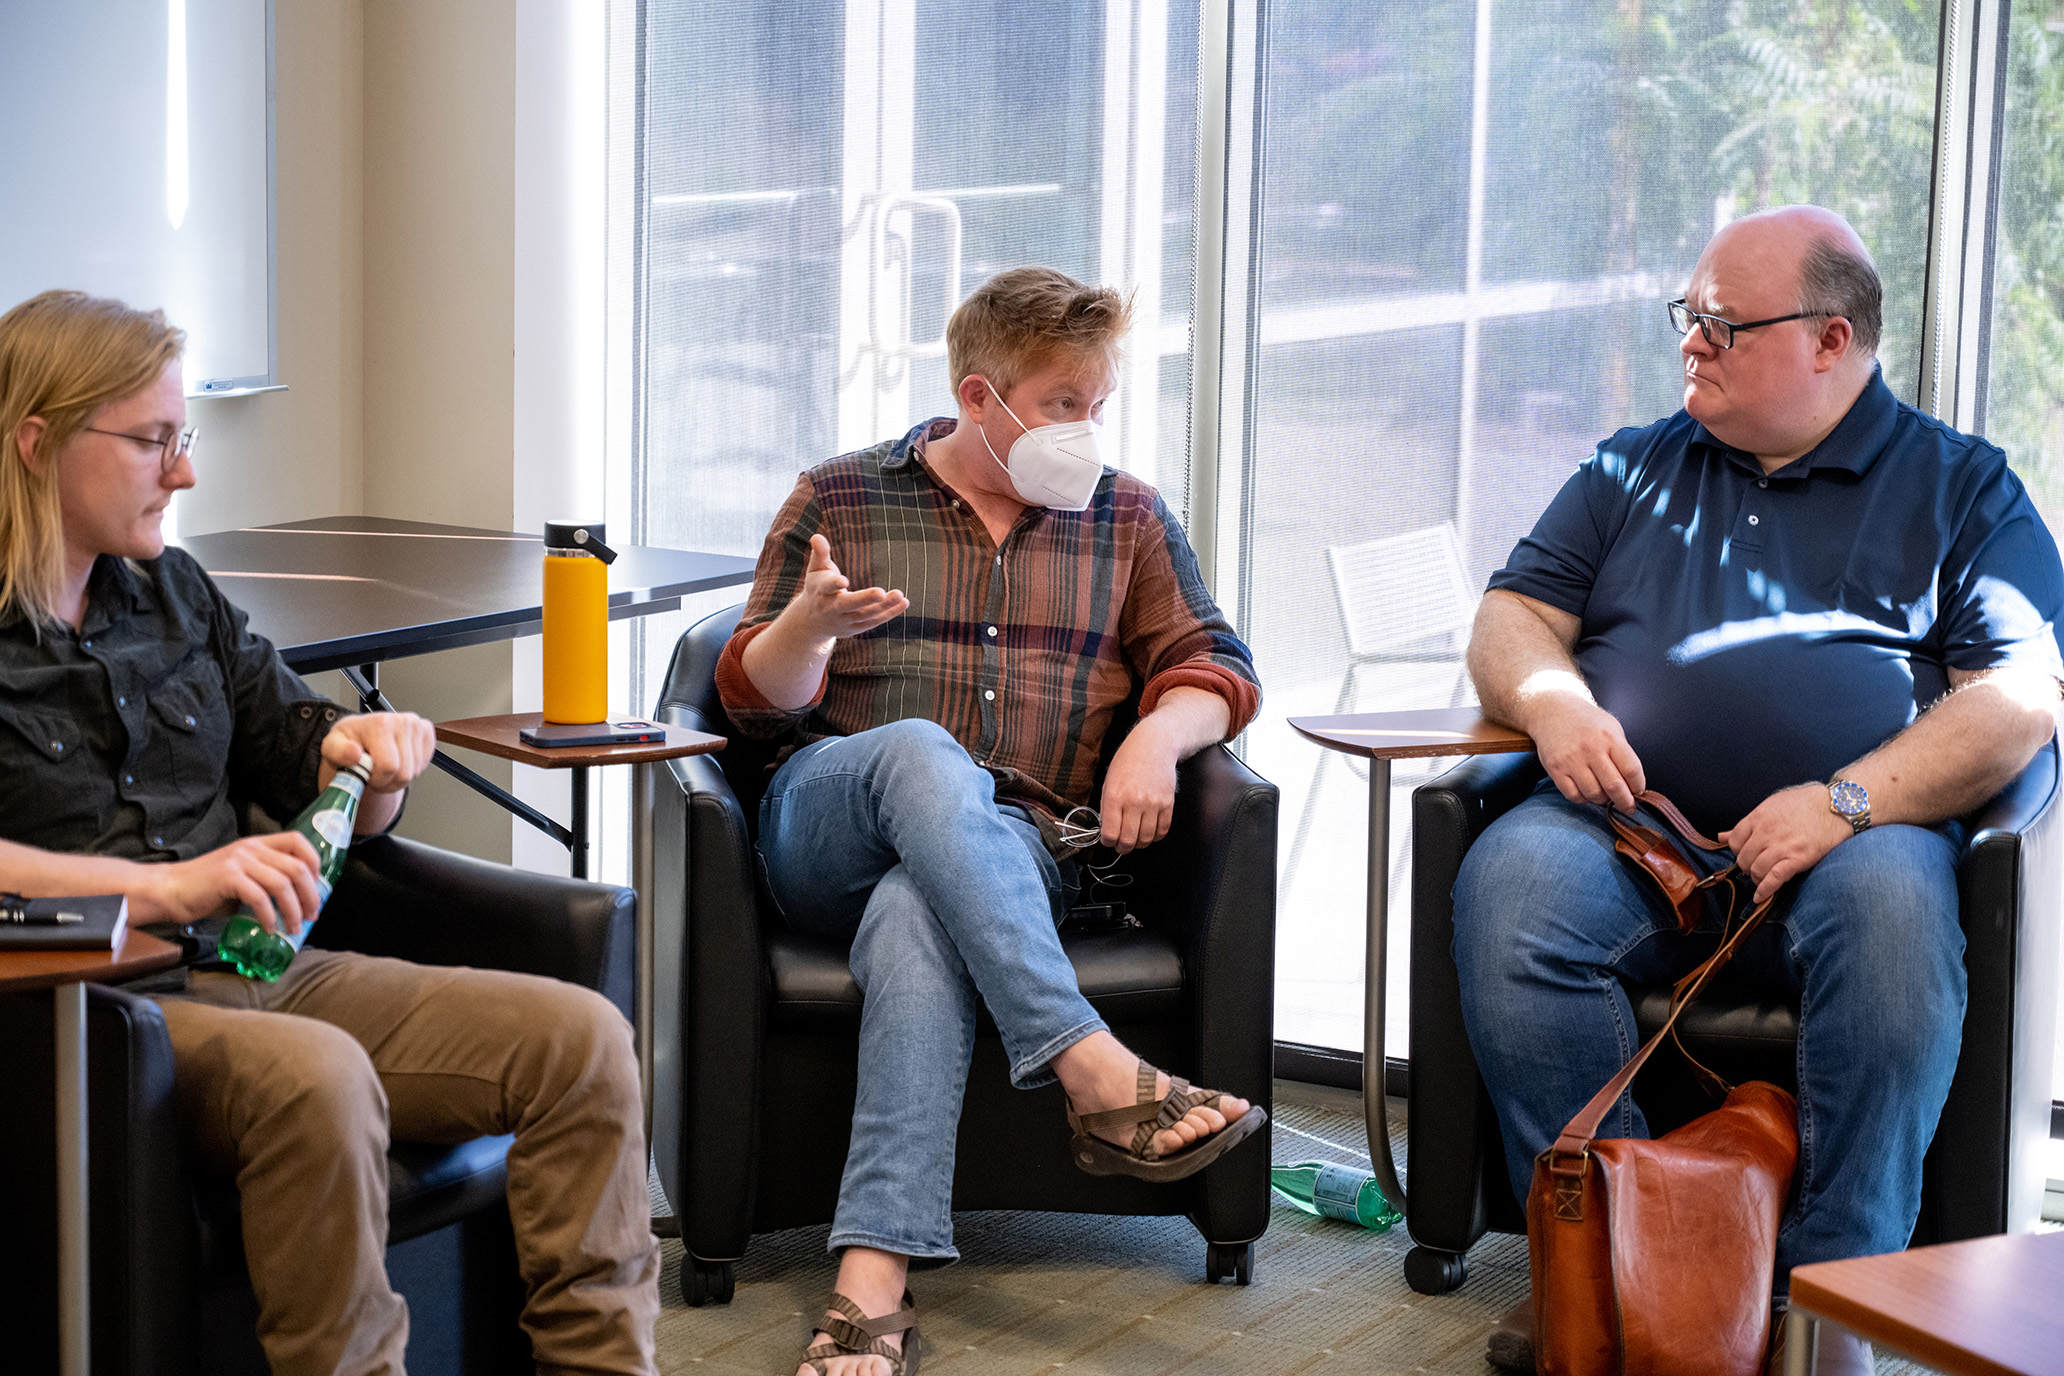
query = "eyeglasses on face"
x=1720 y=333
x=173 y=448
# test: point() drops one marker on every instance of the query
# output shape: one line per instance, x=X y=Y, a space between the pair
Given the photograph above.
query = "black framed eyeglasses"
x=1720 y=333
x=177 y=447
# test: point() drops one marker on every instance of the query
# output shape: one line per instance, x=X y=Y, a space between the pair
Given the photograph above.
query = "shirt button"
x=189 y=720
x=157 y=840
x=956 y=506
x=1755 y=520
x=121 y=702
x=58 y=746
x=307 y=712
x=989 y=693
x=992 y=630
x=1762 y=482
x=87 y=643
x=128 y=778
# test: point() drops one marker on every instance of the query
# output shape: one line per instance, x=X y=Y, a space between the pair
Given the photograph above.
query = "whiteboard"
x=136 y=162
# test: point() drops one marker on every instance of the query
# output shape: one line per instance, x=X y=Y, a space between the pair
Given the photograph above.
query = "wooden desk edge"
x=1427 y=748
x=1907 y=1338
x=139 y=954
x=470 y=733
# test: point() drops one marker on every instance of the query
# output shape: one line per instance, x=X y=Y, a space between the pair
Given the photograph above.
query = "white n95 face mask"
x=1053 y=465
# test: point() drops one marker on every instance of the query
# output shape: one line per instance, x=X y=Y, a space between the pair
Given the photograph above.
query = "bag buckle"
x=1567 y=1172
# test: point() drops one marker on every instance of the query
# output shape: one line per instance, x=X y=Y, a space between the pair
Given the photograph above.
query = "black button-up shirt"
x=142 y=734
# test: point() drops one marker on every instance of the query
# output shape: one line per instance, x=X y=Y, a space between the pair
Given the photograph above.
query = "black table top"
x=360 y=589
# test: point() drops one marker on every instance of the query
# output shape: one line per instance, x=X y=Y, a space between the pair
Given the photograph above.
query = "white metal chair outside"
x=1403 y=599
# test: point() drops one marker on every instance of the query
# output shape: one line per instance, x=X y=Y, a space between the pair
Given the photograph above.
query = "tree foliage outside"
x=2025 y=382
x=1620 y=133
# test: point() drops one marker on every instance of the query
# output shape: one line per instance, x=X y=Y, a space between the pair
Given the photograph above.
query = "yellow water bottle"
x=576 y=622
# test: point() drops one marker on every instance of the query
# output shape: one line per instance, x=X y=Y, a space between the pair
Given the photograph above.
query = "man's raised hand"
x=830 y=609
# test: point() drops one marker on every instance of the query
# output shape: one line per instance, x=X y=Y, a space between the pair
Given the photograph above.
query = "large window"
x=823 y=186
x=1458 y=223
x=1472 y=213
x=2024 y=397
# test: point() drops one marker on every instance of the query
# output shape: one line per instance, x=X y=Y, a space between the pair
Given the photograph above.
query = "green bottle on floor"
x=1327 y=1190
x=327 y=823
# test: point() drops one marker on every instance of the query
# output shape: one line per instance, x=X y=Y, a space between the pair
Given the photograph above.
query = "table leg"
x=579 y=844
x=644 y=778
x=1376 y=973
x=73 y=1221
x=1802 y=1337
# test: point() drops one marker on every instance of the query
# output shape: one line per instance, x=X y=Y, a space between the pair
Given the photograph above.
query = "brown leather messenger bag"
x=1654 y=1258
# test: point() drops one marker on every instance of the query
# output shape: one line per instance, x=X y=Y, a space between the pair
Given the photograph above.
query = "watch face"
x=1848 y=798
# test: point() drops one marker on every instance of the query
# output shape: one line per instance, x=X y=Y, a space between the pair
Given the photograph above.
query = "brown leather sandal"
x=856 y=1335
x=1139 y=1160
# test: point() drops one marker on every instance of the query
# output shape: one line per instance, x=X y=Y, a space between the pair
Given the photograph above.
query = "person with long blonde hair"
x=137 y=712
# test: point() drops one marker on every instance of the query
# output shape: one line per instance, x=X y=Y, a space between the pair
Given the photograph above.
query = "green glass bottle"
x=1348 y=1193
x=327 y=823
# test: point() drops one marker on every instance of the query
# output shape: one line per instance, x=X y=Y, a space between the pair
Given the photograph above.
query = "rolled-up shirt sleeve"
x=1174 y=633
x=2001 y=582
x=777 y=579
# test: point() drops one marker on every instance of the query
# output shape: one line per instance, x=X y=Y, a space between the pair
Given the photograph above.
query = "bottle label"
x=333 y=826
x=322 y=898
x=1335 y=1191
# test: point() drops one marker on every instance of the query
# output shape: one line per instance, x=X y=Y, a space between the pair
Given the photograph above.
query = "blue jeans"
x=1549 y=923
x=895 y=837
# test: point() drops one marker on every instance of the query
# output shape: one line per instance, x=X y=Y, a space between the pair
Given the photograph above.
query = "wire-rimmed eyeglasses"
x=174 y=448
x=1720 y=333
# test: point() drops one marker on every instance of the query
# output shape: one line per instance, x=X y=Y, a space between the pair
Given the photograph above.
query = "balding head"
x=1821 y=254
x=1804 y=284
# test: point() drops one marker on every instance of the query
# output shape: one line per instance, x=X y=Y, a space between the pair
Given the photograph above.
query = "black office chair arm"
x=705 y=1152
x=1209 y=883
x=405 y=899
x=1996 y=1123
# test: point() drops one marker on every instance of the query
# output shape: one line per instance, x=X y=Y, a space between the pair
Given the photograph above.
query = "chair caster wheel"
x=1232 y=1261
x=1435 y=1273
x=707 y=1282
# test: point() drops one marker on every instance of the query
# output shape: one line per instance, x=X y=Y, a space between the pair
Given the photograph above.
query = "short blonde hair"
x=1022 y=317
x=63 y=355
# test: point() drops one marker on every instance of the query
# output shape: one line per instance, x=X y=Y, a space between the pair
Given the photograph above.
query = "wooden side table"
x=68 y=972
x=1381 y=737
x=499 y=736
x=1984 y=1307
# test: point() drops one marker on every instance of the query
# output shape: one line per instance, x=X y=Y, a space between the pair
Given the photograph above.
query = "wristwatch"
x=1848 y=800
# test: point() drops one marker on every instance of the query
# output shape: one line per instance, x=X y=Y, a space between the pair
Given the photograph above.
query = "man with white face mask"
x=944 y=626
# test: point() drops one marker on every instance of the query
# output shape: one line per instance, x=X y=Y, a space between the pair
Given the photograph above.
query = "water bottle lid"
x=586 y=536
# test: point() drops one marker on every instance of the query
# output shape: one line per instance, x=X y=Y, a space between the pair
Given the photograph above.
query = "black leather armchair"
x=170 y=1295
x=1984 y=1173
x=764 y=1066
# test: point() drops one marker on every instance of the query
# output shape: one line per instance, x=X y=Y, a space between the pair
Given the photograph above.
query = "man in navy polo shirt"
x=1795 y=580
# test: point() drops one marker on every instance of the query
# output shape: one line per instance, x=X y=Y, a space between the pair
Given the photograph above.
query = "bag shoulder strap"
x=1571 y=1148
x=1577 y=1136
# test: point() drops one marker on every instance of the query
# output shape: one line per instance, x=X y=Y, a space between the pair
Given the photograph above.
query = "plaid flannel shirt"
x=1024 y=651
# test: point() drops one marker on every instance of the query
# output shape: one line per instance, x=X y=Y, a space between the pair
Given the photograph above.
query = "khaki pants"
x=295 y=1088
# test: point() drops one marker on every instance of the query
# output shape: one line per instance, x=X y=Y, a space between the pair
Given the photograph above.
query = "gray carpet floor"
x=1098 y=1296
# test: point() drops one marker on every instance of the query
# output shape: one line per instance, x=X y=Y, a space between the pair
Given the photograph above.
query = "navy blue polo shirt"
x=1753 y=632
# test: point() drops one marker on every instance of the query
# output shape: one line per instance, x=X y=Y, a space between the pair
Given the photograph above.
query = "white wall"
x=440 y=296
x=286 y=455
x=558 y=222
